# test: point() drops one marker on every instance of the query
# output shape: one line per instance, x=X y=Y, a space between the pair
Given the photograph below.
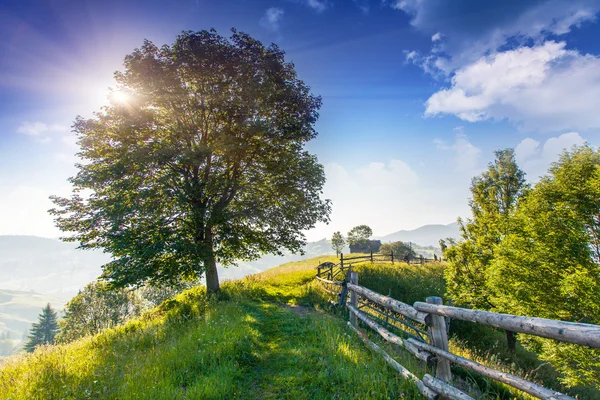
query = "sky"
x=417 y=94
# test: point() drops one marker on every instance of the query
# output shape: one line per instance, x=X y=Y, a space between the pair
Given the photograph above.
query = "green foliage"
x=548 y=266
x=359 y=235
x=495 y=195
x=338 y=242
x=95 y=308
x=204 y=163
x=399 y=249
x=43 y=331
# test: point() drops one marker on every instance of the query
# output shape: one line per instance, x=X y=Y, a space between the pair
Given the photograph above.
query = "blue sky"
x=416 y=94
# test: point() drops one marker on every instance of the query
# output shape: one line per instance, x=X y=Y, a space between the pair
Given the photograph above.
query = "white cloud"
x=466 y=155
x=473 y=29
x=543 y=87
x=436 y=36
x=389 y=196
x=535 y=159
x=38 y=128
x=272 y=18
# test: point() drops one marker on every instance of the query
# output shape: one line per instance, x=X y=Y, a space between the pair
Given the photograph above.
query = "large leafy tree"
x=495 y=195
x=548 y=265
x=203 y=163
x=338 y=242
x=44 y=331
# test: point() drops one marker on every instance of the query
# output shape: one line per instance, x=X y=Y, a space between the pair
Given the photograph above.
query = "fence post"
x=439 y=337
x=344 y=292
x=392 y=257
x=341 y=260
x=353 y=298
x=319 y=271
x=371 y=255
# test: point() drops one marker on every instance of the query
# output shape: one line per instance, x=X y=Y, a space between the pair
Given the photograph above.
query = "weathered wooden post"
x=392 y=257
x=353 y=298
x=341 y=260
x=371 y=255
x=439 y=338
x=319 y=271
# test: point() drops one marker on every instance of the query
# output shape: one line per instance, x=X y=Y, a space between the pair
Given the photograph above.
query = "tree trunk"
x=511 y=341
x=211 y=274
x=210 y=265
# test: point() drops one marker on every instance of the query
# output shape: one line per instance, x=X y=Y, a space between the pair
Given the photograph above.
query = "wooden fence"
x=385 y=257
x=421 y=329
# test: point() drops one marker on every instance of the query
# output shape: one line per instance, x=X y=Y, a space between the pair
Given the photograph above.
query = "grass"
x=251 y=345
x=271 y=336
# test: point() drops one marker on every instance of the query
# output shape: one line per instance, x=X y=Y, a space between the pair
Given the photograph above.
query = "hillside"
x=270 y=336
x=268 y=340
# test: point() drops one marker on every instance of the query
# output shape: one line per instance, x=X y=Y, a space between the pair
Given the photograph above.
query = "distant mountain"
x=428 y=235
x=47 y=266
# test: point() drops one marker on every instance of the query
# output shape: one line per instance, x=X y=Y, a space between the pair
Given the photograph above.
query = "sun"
x=119 y=96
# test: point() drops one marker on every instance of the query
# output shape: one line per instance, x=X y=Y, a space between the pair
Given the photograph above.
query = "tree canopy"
x=495 y=195
x=338 y=242
x=359 y=235
x=203 y=163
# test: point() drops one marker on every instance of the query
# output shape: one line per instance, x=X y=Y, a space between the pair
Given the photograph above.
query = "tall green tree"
x=495 y=194
x=44 y=331
x=338 y=242
x=548 y=265
x=359 y=235
x=95 y=308
x=204 y=163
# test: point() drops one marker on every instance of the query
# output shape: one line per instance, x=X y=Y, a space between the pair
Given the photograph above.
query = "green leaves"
x=204 y=163
x=541 y=258
x=359 y=235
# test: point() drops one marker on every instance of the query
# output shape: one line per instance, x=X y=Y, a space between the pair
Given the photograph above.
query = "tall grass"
x=246 y=345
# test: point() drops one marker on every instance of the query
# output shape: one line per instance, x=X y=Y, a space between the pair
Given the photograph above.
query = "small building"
x=366 y=247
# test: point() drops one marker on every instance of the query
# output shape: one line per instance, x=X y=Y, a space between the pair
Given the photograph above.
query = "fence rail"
x=421 y=330
x=388 y=257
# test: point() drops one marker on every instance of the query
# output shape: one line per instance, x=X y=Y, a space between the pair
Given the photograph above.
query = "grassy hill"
x=270 y=336
x=267 y=339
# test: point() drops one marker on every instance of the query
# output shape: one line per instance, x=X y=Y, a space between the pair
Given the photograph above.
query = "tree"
x=338 y=242
x=95 y=308
x=495 y=195
x=44 y=331
x=203 y=163
x=548 y=265
x=495 y=198
x=359 y=235
x=401 y=250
